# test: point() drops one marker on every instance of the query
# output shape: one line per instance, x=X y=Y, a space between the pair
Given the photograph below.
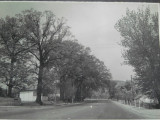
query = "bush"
x=3 y=92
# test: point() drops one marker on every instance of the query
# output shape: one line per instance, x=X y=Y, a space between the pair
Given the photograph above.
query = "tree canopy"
x=38 y=48
x=13 y=53
x=139 y=30
x=82 y=70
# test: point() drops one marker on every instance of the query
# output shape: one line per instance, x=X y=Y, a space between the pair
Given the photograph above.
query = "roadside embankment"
x=147 y=113
x=6 y=101
x=32 y=107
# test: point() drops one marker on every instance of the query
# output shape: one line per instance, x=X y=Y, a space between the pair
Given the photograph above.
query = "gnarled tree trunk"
x=39 y=86
x=10 y=84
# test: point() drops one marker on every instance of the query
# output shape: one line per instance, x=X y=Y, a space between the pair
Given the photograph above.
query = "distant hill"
x=119 y=82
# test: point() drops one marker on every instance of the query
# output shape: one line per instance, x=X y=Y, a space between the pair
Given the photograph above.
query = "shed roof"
x=28 y=90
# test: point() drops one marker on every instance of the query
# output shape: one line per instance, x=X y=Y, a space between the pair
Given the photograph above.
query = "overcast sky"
x=93 y=26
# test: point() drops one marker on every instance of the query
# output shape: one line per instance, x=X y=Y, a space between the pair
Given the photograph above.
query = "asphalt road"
x=106 y=110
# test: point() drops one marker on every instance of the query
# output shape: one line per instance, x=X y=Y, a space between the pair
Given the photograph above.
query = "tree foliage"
x=38 y=47
x=12 y=53
x=139 y=30
x=83 y=70
x=44 y=31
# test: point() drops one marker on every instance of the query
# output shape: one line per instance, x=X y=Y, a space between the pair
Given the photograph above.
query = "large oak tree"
x=45 y=31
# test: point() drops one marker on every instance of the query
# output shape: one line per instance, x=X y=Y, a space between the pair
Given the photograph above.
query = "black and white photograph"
x=79 y=60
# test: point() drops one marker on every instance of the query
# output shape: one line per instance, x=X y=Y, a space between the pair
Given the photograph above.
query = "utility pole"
x=132 y=85
x=55 y=91
x=132 y=89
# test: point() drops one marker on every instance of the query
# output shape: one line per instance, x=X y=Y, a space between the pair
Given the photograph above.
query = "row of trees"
x=38 y=48
x=140 y=32
x=123 y=91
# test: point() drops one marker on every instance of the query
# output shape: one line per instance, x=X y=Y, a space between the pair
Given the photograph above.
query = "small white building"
x=28 y=96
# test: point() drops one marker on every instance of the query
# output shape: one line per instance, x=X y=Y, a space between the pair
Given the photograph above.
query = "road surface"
x=105 y=110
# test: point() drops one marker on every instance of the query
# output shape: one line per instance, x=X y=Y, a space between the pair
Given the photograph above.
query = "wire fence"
x=139 y=104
